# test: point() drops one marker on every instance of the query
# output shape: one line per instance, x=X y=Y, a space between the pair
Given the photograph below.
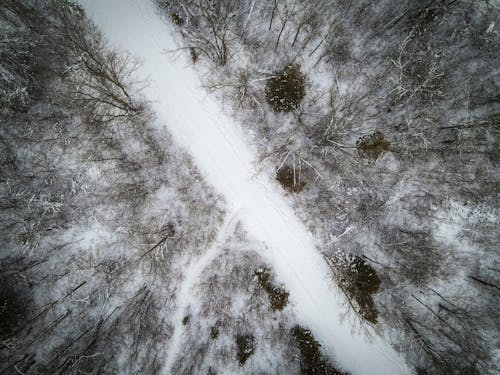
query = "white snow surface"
x=223 y=154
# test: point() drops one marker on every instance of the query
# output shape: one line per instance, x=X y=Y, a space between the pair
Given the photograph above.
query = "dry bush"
x=373 y=145
x=290 y=179
x=312 y=361
x=286 y=89
x=278 y=296
x=359 y=282
x=245 y=345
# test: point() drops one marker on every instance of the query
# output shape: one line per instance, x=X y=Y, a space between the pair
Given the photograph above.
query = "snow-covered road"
x=222 y=153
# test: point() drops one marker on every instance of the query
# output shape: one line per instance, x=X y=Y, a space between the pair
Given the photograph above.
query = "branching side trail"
x=220 y=149
x=192 y=275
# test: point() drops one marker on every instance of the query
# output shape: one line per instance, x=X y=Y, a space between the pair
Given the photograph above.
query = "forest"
x=377 y=121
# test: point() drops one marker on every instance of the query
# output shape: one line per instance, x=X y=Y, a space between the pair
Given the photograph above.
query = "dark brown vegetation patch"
x=290 y=180
x=278 y=296
x=178 y=20
x=311 y=358
x=214 y=332
x=286 y=89
x=194 y=55
x=360 y=282
x=373 y=145
x=245 y=347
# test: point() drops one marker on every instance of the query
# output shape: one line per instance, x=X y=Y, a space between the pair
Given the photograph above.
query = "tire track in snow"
x=221 y=151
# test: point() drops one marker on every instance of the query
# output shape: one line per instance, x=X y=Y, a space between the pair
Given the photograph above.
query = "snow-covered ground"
x=222 y=153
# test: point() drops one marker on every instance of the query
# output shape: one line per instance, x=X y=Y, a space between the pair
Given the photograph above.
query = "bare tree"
x=103 y=76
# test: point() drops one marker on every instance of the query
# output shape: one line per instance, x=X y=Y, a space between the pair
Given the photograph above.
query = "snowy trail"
x=221 y=151
x=193 y=274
